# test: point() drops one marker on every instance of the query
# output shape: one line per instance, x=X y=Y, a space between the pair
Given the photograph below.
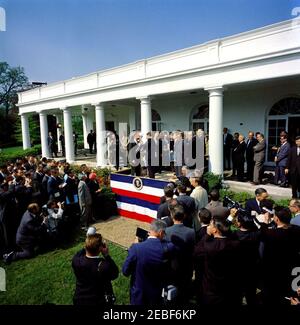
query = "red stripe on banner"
x=134 y=215
x=136 y=195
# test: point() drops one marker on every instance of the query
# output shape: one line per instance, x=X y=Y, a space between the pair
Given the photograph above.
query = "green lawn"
x=11 y=150
x=48 y=278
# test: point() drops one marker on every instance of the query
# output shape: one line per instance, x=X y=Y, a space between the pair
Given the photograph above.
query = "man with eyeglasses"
x=294 y=207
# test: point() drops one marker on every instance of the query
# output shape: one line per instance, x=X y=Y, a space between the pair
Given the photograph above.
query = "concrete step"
x=275 y=192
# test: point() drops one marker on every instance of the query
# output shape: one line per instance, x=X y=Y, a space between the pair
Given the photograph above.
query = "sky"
x=59 y=39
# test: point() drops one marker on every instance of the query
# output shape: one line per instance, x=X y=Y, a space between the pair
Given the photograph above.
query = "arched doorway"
x=283 y=116
x=156 y=120
x=199 y=118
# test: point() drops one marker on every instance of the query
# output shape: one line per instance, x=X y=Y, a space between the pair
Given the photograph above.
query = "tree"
x=34 y=130
x=12 y=80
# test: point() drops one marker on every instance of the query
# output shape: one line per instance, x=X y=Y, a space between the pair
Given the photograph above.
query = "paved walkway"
x=120 y=230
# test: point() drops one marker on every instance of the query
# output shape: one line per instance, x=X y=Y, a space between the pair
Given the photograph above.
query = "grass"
x=11 y=150
x=49 y=279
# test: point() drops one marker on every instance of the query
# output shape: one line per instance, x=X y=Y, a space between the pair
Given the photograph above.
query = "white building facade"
x=249 y=81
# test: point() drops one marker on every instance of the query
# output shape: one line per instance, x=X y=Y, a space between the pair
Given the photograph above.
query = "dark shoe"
x=283 y=185
x=7 y=258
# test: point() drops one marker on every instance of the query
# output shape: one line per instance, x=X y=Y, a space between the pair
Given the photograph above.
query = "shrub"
x=6 y=158
x=240 y=197
x=214 y=181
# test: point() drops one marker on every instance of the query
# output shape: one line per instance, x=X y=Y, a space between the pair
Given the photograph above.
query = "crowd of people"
x=42 y=201
x=238 y=150
x=203 y=250
x=199 y=247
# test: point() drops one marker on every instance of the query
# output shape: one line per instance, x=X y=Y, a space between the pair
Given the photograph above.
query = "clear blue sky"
x=59 y=39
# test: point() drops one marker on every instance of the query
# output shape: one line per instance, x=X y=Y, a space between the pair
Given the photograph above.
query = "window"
x=156 y=121
x=283 y=116
x=199 y=118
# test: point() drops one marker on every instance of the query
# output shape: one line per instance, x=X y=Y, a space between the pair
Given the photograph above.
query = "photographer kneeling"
x=94 y=273
x=28 y=235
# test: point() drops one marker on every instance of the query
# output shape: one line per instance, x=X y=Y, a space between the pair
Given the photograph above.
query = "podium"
x=137 y=197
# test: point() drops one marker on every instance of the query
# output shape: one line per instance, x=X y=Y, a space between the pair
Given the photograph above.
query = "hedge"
x=6 y=158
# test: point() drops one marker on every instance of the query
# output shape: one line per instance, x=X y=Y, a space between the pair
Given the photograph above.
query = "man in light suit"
x=200 y=196
x=85 y=201
x=147 y=265
x=281 y=161
x=293 y=168
x=259 y=158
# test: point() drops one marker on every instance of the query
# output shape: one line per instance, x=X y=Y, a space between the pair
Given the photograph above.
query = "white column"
x=25 y=131
x=216 y=130
x=58 y=132
x=44 y=133
x=68 y=132
x=85 y=129
x=146 y=117
x=100 y=135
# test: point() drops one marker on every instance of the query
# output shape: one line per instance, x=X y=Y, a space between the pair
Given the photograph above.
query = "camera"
x=44 y=211
x=142 y=234
x=230 y=204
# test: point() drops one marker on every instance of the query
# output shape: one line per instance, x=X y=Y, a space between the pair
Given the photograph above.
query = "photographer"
x=54 y=213
x=28 y=234
x=249 y=238
x=216 y=259
x=281 y=246
x=147 y=263
x=94 y=273
x=259 y=202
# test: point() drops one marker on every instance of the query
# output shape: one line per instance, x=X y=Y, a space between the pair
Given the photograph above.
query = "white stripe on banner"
x=145 y=190
x=137 y=209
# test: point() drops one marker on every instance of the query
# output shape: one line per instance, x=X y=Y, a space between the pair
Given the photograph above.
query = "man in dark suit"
x=259 y=158
x=216 y=259
x=30 y=164
x=238 y=155
x=163 y=211
x=44 y=190
x=184 y=238
x=281 y=161
x=280 y=255
x=37 y=184
x=260 y=201
x=147 y=264
x=93 y=273
x=52 y=145
x=227 y=141
x=54 y=186
x=293 y=168
x=251 y=142
x=28 y=234
x=188 y=204
x=90 y=141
